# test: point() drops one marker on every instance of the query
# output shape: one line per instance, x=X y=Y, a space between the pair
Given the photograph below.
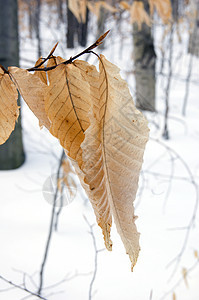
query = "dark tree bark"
x=76 y=31
x=71 y=28
x=101 y=25
x=60 y=10
x=144 y=61
x=194 y=35
x=175 y=9
x=83 y=31
x=37 y=26
x=11 y=153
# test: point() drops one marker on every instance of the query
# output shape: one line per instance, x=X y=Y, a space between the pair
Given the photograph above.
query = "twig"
x=95 y=259
x=50 y=230
x=179 y=281
x=69 y=61
x=178 y=258
x=187 y=86
x=22 y=288
x=166 y=131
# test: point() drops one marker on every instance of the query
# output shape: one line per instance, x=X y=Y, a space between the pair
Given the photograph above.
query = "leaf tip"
x=106 y=233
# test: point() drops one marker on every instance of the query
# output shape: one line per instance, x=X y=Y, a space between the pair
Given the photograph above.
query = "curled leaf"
x=124 y=135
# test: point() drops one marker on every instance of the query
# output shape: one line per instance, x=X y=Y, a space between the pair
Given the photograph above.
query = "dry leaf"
x=68 y=181
x=125 y=5
x=138 y=14
x=184 y=274
x=67 y=105
x=174 y=296
x=32 y=89
x=112 y=151
x=164 y=9
x=108 y=7
x=73 y=5
x=124 y=135
x=92 y=170
x=41 y=74
x=196 y=254
x=94 y=7
x=9 y=110
x=82 y=9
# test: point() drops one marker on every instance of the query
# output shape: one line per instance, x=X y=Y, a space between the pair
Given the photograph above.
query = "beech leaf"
x=32 y=89
x=119 y=134
x=9 y=110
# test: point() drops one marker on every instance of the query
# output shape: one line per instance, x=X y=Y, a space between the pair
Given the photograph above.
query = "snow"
x=165 y=207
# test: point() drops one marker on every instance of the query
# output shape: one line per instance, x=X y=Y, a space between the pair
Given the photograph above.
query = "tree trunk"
x=144 y=62
x=82 y=31
x=71 y=28
x=194 y=35
x=101 y=25
x=175 y=10
x=60 y=10
x=37 y=26
x=11 y=153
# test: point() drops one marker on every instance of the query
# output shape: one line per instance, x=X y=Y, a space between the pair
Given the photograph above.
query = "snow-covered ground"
x=166 y=201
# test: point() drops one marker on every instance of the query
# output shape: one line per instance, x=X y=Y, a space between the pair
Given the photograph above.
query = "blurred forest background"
x=156 y=45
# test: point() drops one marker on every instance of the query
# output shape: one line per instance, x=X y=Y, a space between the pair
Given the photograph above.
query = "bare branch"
x=22 y=288
x=50 y=229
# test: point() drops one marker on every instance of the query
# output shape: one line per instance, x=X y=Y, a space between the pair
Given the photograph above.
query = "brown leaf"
x=82 y=9
x=124 y=133
x=9 y=110
x=92 y=170
x=67 y=104
x=32 y=89
x=138 y=14
x=184 y=274
x=73 y=5
x=164 y=9
x=125 y=5
x=41 y=74
x=108 y=7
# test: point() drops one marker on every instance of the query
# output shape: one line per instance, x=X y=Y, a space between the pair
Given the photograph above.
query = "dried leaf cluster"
x=93 y=116
x=137 y=12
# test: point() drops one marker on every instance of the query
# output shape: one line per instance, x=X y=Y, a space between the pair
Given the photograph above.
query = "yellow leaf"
x=32 y=89
x=138 y=14
x=9 y=110
x=164 y=9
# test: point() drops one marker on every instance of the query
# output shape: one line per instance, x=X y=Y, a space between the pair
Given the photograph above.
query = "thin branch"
x=50 y=230
x=166 y=131
x=95 y=258
x=191 y=223
x=22 y=288
x=69 y=61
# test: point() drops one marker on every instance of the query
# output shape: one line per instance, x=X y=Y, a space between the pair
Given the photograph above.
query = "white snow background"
x=166 y=202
